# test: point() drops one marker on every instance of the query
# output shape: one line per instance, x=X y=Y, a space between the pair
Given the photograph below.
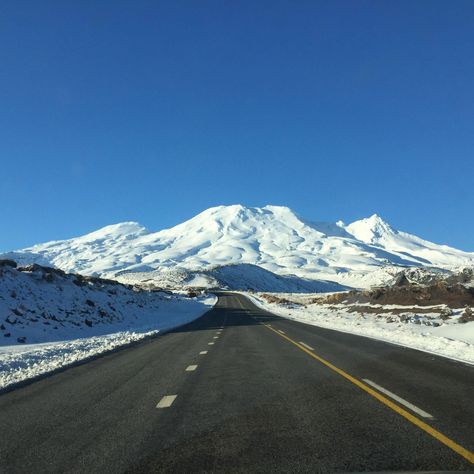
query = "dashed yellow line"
x=407 y=415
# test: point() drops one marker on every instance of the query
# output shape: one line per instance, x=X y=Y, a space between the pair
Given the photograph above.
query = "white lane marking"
x=409 y=405
x=191 y=368
x=210 y=343
x=280 y=331
x=203 y=352
x=306 y=345
x=166 y=401
x=215 y=337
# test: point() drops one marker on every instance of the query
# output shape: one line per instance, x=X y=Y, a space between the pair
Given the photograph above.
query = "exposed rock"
x=467 y=316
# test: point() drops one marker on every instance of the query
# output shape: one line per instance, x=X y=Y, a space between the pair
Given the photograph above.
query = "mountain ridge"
x=272 y=237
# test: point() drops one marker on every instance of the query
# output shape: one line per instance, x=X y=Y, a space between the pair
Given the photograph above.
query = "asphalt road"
x=269 y=395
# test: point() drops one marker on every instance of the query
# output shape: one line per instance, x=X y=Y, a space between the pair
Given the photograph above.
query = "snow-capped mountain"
x=272 y=237
x=375 y=231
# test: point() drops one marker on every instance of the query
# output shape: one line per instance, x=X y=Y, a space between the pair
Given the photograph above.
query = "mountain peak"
x=281 y=209
x=370 y=229
x=230 y=212
x=121 y=229
x=242 y=218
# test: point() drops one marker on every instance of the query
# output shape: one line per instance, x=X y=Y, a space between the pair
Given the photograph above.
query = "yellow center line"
x=407 y=415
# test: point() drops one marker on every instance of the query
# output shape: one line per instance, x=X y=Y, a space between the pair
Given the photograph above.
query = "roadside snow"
x=450 y=339
x=50 y=320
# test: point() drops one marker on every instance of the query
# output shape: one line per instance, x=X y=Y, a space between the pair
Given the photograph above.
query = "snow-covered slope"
x=375 y=231
x=272 y=237
x=238 y=277
x=49 y=319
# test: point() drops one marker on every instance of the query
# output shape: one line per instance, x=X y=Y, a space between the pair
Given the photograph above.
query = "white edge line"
x=306 y=345
x=409 y=405
x=166 y=401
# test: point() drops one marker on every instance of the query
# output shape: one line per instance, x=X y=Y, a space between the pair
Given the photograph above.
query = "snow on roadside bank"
x=50 y=320
x=454 y=340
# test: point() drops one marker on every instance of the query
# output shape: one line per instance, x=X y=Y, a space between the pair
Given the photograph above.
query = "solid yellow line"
x=413 y=419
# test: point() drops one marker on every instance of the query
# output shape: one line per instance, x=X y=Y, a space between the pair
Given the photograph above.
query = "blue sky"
x=154 y=111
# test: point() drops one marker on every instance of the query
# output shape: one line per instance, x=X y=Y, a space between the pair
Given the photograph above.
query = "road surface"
x=242 y=390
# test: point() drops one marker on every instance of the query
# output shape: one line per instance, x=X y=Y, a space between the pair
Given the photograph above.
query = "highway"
x=242 y=390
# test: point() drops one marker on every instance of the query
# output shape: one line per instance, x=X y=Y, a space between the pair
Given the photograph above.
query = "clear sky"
x=154 y=111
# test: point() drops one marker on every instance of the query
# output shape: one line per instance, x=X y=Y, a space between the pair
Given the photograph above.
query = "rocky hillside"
x=40 y=304
x=415 y=287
